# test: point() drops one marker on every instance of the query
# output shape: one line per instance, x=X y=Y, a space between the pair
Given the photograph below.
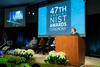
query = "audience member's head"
x=34 y=38
x=9 y=42
x=49 y=37
x=3 y=65
x=35 y=65
x=41 y=39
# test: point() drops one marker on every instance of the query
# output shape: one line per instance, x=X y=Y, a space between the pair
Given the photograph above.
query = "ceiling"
x=7 y=3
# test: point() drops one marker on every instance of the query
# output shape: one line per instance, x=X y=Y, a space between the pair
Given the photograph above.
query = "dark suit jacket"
x=76 y=34
x=50 y=41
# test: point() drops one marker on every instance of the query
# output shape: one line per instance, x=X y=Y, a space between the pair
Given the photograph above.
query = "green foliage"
x=15 y=59
x=4 y=49
x=23 y=65
x=20 y=60
x=3 y=61
x=97 y=66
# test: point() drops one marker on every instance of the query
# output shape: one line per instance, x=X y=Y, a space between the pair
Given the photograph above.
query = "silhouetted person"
x=52 y=46
x=49 y=42
x=32 y=43
x=35 y=65
x=4 y=37
x=41 y=42
x=40 y=46
x=3 y=65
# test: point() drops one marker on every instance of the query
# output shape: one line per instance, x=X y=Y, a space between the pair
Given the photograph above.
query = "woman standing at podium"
x=74 y=33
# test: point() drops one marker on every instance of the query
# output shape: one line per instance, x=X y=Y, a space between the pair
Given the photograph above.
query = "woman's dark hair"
x=74 y=28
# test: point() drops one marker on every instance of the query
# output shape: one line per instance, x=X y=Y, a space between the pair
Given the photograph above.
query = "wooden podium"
x=74 y=48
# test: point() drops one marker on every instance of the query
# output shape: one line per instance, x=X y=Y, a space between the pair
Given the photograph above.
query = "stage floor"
x=89 y=61
x=92 y=61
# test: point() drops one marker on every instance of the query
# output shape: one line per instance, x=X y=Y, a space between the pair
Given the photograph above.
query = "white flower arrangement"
x=30 y=51
x=28 y=54
x=52 y=53
x=56 y=57
x=5 y=48
x=61 y=55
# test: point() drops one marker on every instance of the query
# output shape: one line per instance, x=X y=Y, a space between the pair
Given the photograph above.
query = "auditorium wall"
x=93 y=28
x=93 y=7
x=20 y=35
